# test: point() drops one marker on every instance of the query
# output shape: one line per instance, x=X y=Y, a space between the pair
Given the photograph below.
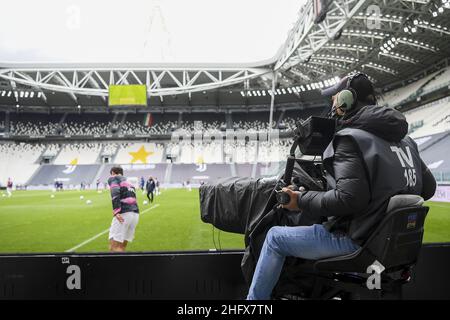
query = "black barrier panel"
x=129 y=276
x=431 y=277
x=187 y=275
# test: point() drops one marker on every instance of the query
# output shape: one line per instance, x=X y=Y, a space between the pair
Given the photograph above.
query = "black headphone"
x=346 y=99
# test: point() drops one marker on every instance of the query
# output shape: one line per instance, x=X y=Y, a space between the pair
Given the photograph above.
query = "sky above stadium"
x=133 y=31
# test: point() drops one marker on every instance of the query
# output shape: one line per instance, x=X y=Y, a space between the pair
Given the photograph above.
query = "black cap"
x=359 y=82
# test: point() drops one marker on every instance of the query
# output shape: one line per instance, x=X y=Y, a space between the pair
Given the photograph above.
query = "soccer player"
x=125 y=211
x=9 y=186
x=156 y=187
x=142 y=184
x=150 y=186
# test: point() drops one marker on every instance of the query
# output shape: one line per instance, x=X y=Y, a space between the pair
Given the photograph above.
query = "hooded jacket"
x=365 y=167
x=123 y=195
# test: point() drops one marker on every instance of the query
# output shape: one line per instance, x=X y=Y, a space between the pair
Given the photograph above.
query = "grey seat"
x=403 y=201
x=395 y=243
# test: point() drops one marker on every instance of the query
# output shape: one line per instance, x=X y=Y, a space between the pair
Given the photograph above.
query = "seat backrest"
x=398 y=239
x=403 y=201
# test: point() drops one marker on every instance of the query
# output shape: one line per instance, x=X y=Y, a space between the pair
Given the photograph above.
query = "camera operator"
x=369 y=160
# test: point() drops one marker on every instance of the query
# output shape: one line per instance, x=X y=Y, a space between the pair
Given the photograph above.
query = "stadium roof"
x=392 y=41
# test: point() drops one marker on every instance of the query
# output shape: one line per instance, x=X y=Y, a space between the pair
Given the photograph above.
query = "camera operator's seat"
x=395 y=243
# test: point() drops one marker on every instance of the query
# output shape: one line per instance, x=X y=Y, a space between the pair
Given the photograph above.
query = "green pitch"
x=33 y=221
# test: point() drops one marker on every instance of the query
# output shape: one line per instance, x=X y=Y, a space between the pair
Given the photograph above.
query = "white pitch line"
x=105 y=231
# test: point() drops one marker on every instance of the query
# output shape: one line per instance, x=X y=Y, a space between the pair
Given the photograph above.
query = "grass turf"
x=32 y=221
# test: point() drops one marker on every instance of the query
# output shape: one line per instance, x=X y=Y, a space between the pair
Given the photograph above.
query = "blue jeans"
x=311 y=243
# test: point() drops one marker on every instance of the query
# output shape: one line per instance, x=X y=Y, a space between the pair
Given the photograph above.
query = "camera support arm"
x=290 y=164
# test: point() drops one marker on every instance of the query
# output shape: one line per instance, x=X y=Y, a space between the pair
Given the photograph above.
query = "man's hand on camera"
x=293 y=204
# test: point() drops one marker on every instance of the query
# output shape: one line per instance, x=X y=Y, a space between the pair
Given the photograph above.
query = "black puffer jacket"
x=346 y=203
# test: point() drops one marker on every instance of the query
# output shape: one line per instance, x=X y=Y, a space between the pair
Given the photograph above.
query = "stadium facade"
x=55 y=122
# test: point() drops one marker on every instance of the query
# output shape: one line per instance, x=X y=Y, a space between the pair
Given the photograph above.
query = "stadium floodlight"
x=79 y=107
x=3 y=93
x=31 y=94
x=17 y=106
x=9 y=94
x=27 y=94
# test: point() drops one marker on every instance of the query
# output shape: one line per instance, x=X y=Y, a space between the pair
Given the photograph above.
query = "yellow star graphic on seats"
x=140 y=155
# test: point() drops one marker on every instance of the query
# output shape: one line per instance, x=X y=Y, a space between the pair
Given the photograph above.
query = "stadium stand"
x=441 y=80
x=95 y=125
x=425 y=142
x=134 y=172
x=70 y=175
x=241 y=151
x=196 y=173
x=396 y=97
x=51 y=150
x=244 y=169
x=436 y=157
x=73 y=154
x=139 y=153
x=19 y=161
x=177 y=161
x=82 y=127
x=109 y=149
x=429 y=119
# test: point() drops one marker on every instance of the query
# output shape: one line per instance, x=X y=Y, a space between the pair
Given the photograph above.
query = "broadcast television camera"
x=236 y=204
x=311 y=136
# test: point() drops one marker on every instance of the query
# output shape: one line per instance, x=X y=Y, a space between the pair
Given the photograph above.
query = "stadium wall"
x=170 y=275
x=442 y=194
